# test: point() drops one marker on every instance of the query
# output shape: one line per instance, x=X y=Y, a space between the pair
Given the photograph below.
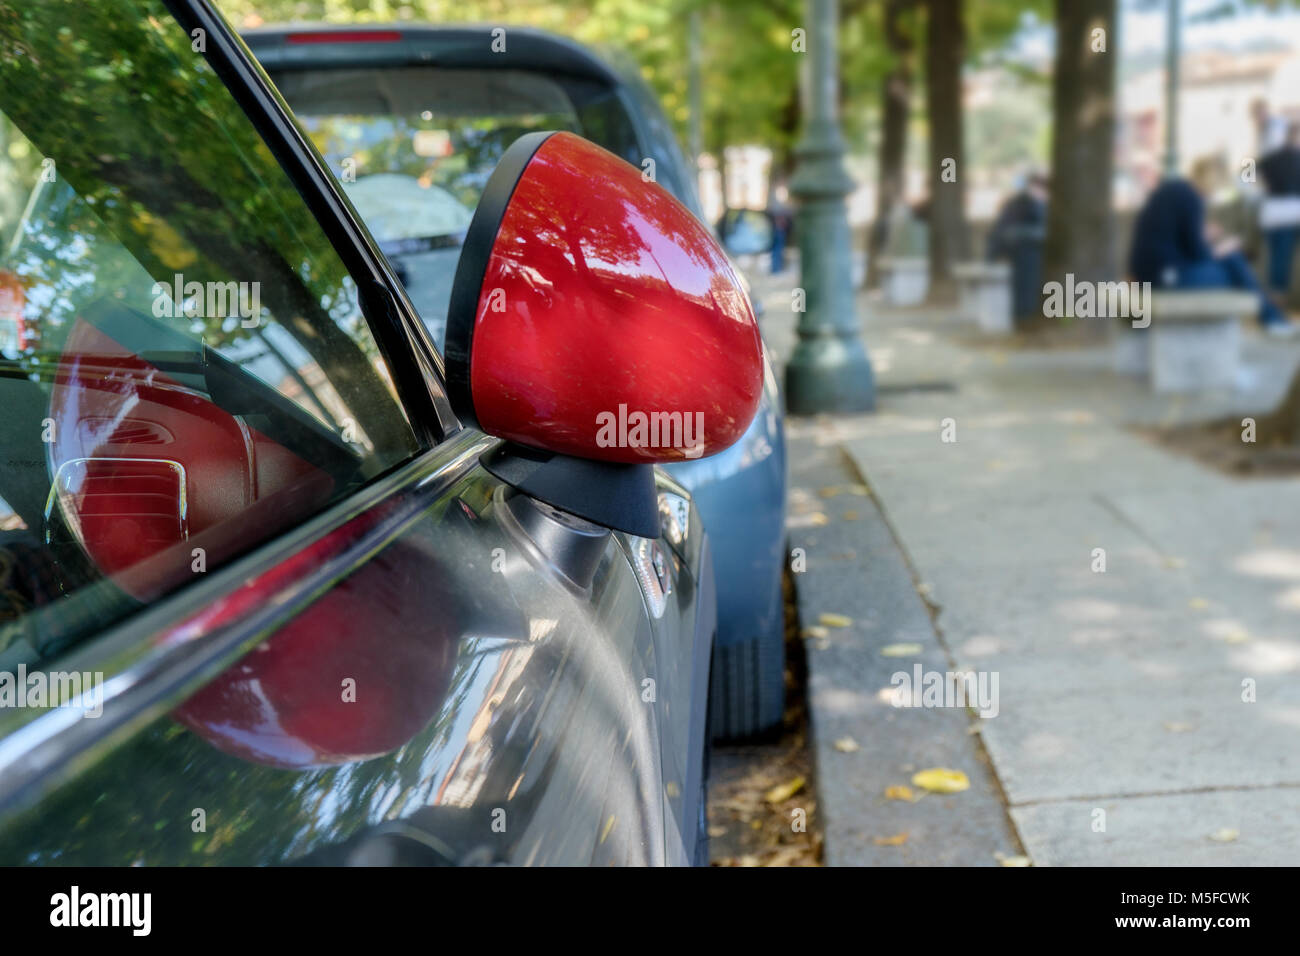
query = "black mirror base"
x=619 y=496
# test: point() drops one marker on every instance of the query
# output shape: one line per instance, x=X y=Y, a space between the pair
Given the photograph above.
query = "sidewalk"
x=1121 y=736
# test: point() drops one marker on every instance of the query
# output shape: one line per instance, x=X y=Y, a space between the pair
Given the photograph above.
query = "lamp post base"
x=829 y=374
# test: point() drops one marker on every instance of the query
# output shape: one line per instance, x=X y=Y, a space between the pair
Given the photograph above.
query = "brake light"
x=346 y=36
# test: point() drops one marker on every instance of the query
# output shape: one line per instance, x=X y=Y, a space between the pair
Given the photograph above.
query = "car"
x=412 y=118
x=280 y=582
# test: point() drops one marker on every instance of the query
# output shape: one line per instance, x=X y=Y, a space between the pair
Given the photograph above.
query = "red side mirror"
x=284 y=704
x=594 y=316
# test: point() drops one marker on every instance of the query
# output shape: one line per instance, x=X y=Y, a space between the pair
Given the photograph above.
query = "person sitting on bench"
x=1175 y=248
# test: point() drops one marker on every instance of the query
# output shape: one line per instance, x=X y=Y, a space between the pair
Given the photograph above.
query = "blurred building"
x=1214 y=112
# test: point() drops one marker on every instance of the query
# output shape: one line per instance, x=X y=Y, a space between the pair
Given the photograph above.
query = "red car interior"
x=144 y=464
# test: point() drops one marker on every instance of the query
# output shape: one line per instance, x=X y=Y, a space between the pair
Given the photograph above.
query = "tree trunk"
x=945 y=47
x=896 y=102
x=1283 y=425
x=1080 y=220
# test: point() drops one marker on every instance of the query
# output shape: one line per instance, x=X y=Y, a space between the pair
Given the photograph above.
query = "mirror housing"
x=593 y=316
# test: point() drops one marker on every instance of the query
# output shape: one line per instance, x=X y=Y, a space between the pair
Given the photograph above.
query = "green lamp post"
x=829 y=370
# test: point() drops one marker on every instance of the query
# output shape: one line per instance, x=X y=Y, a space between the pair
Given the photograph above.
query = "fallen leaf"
x=850 y=516
x=1226 y=835
x=815 y=631
x=717 y=831
x=830 y=491
x=899 y=792
x=814 y=519
x=1198 y=604
x=1004 y=860
x=834 y=620
x=900 y=650
x=784 y=791
x=1175 y=563
x=862 y=490
x=846 y=745
x=898 y=839
x=1177 y=727
x=941 y=780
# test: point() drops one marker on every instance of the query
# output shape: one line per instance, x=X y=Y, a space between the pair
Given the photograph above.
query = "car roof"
x=314 y=45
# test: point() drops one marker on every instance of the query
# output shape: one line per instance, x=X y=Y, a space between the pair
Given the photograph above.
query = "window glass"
x=414 y=147
x=184 y=364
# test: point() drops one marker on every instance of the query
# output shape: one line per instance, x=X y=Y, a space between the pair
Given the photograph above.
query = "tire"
x=747 y=688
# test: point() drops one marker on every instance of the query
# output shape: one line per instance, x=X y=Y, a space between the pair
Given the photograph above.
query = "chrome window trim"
x=156 y=658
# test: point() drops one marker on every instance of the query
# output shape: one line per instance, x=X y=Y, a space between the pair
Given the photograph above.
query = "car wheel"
x=747 y=688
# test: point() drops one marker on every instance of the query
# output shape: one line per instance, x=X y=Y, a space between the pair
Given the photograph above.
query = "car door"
x=288 y=615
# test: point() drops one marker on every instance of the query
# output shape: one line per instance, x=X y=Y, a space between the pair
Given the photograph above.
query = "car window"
x=184 y=364
x=413 y=147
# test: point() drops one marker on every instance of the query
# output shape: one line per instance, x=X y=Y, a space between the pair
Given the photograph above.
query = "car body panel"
x=534 y=745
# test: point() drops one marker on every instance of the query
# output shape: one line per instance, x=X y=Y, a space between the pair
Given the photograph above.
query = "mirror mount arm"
x=619 y=496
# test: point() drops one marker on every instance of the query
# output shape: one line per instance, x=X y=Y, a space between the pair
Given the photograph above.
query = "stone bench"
x=984 y=290
x=905 y=280
x=1192 y=343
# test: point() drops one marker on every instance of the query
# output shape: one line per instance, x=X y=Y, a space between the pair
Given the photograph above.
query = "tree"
x=945 y=46
x=895 y=112
x=1080 y=220
x=183 y=184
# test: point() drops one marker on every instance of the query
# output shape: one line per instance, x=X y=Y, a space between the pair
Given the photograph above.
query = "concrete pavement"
x=1148 y=713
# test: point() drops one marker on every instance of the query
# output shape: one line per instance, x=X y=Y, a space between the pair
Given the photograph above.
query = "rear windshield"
x=414 y=146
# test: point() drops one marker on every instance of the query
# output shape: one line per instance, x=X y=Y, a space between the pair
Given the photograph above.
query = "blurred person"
x=1017 y=237
x=1279 y=213
x=782 y=220
x=1175 y=247
x=910 y=237
x=1270 y=128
